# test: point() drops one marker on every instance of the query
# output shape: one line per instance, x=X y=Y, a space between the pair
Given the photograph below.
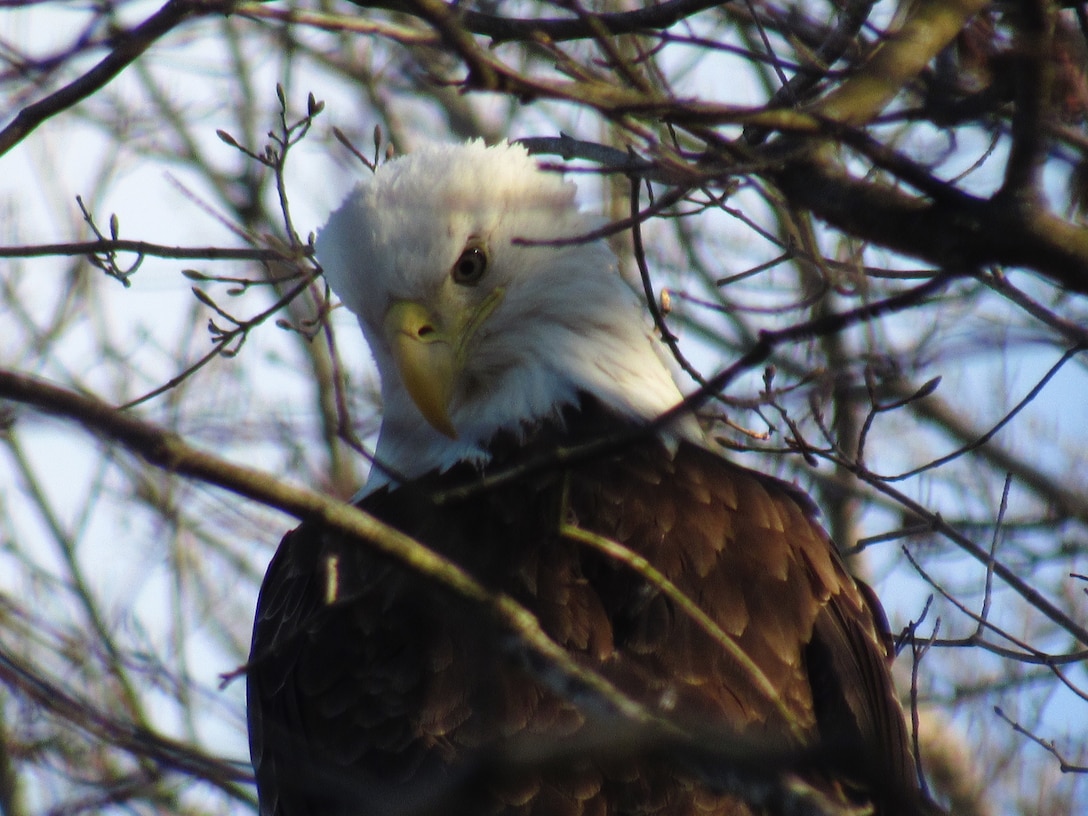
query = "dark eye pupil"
x=470 y=266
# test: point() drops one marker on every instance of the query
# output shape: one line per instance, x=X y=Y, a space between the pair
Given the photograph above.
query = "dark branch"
x=154 y=250
x=506 y=29
x=127 y=48
x=973 y=233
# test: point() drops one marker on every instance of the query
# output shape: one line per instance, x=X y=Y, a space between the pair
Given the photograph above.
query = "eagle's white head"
x=475 y=327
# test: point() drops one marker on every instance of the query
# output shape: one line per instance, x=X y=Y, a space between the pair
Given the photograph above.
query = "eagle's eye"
x=470 y=267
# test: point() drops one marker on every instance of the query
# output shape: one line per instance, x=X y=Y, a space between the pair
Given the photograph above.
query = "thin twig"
x=988 y=592
x=667 y=336
x=1048 y=745
x=146 y=248
x=223 y=343
x=988 y=435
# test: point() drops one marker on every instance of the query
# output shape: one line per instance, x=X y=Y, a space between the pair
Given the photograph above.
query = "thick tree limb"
x=930 y=26
x=169 y=452
x=971 y=233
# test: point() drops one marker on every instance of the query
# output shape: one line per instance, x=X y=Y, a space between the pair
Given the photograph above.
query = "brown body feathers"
x=399 y=698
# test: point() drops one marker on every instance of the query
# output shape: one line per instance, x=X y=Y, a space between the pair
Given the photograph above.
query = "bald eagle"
x=499 y=344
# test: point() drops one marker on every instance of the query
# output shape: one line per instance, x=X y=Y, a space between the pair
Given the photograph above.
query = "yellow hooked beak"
x=430 y=353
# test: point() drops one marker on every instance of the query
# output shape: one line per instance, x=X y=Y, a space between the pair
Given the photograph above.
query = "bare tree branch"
x=126 y=48
x=505 y=29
